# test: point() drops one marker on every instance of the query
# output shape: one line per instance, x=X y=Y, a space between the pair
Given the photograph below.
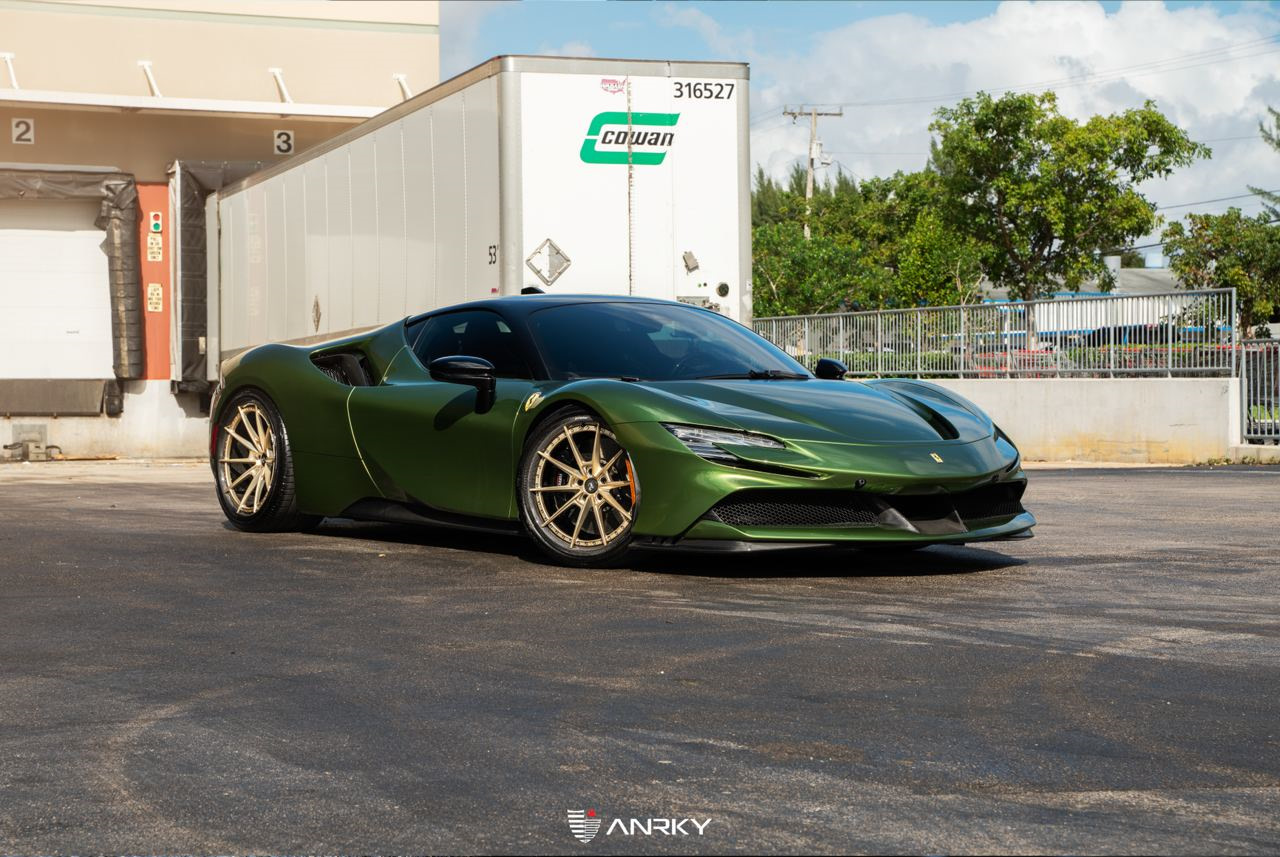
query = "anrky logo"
x=584 y=823
x=612 y=128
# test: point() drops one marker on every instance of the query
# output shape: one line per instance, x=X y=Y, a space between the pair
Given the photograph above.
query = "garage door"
x=55 y=300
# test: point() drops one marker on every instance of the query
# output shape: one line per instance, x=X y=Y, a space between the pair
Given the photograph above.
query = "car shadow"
x=937 y=560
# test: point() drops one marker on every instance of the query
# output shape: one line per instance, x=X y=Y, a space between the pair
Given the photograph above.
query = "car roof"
x=522 y=305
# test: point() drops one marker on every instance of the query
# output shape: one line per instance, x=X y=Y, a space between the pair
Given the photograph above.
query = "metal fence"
x=1173 y=333
x=1260 y=386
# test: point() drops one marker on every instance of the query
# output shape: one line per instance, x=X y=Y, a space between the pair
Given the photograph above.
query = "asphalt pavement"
x=168 y=684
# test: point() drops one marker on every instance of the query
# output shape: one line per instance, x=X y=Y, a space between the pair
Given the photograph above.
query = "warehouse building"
x=112 y=113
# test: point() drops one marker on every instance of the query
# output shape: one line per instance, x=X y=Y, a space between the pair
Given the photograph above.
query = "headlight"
x=704 y=442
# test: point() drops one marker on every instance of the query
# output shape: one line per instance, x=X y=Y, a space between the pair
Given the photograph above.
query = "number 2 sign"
x=23 y=131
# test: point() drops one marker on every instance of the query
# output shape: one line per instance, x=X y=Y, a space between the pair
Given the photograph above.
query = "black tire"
x=272 y=506
x=605 y=492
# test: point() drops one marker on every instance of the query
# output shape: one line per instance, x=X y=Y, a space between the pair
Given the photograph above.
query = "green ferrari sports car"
x=599 y=424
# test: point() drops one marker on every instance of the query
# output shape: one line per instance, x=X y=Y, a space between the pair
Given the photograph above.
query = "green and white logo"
x=610 y=133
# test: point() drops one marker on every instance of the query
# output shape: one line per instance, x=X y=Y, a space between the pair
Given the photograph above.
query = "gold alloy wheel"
x=583 y=487
x=247 y=459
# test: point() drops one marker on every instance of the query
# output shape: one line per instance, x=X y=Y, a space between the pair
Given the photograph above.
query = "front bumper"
x=906 y=488
x=1014 y=527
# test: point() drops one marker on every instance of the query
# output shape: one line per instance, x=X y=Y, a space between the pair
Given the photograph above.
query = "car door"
x=423 y=440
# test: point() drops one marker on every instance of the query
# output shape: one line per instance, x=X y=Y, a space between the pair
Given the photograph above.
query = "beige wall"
x=1141 y=420
x=337 y=52
x=145 y=144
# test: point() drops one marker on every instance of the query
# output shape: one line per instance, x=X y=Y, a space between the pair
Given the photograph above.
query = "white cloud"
x=1210 y=72
x=722 y=44
x=460 y=24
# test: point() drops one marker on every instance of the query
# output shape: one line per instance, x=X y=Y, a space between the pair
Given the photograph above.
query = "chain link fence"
x=1172 y=333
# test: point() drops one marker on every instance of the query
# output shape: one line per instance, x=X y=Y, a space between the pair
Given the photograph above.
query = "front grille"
x=812 y=509
x=1003 y=500
x=766 y=508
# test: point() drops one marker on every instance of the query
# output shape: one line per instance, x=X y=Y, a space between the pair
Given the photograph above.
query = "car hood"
x=833 y=411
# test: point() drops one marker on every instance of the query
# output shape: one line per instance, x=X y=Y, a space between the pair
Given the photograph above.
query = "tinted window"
x=475 y=334
x=654 y=342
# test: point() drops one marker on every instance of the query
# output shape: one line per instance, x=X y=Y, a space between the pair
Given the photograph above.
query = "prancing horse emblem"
x=936 y=457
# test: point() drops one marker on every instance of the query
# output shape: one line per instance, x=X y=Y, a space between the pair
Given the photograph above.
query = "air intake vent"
x=992 y=501
x=807 y=509
x=347 y=367
x=936 y=421
x=815 y=509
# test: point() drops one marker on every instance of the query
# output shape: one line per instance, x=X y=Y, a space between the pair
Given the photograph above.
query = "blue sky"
x=616 y=28
x=1212 y=67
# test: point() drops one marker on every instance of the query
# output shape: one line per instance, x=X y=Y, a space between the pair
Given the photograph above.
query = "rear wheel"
x=253 y=466
x=578 y=491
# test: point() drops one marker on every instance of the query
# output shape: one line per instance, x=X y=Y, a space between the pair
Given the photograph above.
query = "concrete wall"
x=1148 y=420
x=155 y=424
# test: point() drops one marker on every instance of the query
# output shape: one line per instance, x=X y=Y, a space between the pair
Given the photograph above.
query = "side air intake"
x=350 y=368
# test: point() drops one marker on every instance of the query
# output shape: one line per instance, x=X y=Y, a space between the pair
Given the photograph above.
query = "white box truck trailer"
x=571 y=175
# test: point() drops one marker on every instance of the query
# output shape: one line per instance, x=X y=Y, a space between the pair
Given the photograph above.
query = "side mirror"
x=830 y=370
x=472 y=371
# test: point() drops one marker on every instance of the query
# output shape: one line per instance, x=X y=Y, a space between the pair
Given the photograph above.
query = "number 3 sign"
x=282 y=142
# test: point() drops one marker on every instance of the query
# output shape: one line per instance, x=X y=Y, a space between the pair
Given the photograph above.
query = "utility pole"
x=815 y=151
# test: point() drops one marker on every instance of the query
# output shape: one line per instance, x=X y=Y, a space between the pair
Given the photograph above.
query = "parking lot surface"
x=172 y=685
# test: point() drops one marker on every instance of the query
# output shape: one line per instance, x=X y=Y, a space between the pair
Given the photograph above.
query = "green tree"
x=895 y=228
x=792 y=276
x=1271 y=201
x=1045 y=194
x=770 y=203
x=1229 y=250
x=936 y=265
x=878 y=244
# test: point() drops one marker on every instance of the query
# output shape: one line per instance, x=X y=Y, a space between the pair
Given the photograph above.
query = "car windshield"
x=653 y=342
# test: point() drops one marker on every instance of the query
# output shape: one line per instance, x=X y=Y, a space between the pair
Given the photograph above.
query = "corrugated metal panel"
x=391 y=223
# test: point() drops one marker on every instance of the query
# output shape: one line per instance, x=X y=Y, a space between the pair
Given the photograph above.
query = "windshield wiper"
x=756 y=375
x=575 y=376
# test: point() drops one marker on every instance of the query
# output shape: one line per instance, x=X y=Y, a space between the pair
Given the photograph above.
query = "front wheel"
x=578 y=491
x=253 y=466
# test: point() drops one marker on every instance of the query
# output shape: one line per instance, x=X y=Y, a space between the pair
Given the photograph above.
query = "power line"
x=1219 y=199
x=845 y=167
x=850 y=152
x=768 y=115
x=1162 y=243
x=1226 y=139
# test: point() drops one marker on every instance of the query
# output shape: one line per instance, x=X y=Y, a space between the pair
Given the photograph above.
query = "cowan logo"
x=649 y=136
x=584 y=824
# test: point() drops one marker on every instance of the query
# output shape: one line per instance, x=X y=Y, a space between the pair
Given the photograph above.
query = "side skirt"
x=392 y=512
